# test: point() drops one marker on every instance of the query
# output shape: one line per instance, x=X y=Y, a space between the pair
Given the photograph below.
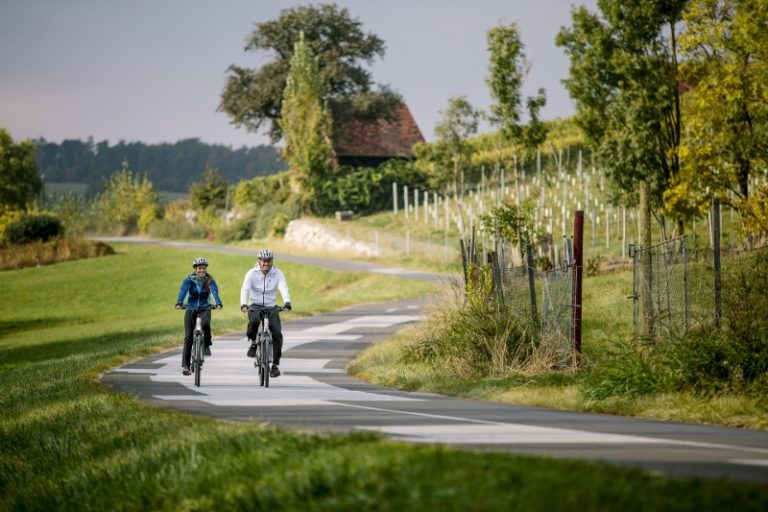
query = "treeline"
x=171 y=167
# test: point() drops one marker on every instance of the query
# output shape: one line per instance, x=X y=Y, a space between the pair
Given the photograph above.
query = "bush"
x=476 y=338
x=33 y=228
x=55 y=251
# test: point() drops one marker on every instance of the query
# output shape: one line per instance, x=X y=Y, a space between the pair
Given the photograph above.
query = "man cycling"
x=259 y=287
x=197 y=287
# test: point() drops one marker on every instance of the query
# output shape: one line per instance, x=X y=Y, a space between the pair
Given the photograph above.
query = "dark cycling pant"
x=254 y=317
x=190 y=319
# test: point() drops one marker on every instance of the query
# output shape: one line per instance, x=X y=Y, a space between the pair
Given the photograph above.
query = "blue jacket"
x=197 y=294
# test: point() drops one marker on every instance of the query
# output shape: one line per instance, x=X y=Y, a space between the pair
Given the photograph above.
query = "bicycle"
x=263 y=361
x=198 y=347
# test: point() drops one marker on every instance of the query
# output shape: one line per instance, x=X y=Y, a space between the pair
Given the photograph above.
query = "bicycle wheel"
x=266 y=359
x=197 y=357
x=259 y=359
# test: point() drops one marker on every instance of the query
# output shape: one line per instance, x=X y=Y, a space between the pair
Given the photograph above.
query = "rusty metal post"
x=578 y=267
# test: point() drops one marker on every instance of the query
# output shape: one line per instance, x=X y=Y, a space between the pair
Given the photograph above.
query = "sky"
x=153 y=70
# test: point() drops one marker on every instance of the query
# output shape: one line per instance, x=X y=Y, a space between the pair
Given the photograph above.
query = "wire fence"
x=676 y=288
x=545 y=296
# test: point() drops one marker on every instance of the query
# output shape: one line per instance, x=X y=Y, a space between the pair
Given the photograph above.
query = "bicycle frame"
x=198 y=345
x=264 y=346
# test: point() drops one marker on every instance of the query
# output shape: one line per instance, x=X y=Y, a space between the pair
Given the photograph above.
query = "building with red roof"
x=363 y=143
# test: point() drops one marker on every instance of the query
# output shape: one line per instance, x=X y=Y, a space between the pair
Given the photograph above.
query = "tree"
x=253 y=98
x=128 y=202
x=725 y=49
x=624 y=78
x=452 y=150
x=20 y=180
x=210 y=193
x=305 y=121
x=508 y=68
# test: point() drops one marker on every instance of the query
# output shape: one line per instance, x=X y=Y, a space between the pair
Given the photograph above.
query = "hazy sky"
x=153 y=70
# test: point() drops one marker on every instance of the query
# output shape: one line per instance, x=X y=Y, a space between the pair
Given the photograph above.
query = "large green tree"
x=253 y=98
x=20 y=180
x=305 y=121
x=725 y=65
x=624 y=80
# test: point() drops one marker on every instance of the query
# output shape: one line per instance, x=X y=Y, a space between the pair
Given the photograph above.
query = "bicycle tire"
x=260 y=357
x=198 y=357
x=266 y=359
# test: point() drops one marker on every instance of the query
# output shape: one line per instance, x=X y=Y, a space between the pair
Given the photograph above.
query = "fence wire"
x=675 y=288
x=550 y=306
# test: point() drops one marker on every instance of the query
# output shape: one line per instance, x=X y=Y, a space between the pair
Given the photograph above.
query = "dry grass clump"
x=35 y=254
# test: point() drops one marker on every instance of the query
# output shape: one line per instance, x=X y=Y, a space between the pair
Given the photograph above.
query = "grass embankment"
x=607 y=324
x=68 y=444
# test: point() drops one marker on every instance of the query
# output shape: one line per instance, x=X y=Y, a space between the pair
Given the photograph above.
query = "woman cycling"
x=197 y=287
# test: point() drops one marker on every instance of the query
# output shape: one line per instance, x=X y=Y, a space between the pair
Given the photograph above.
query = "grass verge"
x=68 y=444
x=392 y=363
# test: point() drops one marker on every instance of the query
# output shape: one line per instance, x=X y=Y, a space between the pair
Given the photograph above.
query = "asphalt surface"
x=315 y=394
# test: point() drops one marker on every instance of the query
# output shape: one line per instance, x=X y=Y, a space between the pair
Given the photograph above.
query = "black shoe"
x=252 y=351
x=207 y=350
x=274 y=372
x=185 y=370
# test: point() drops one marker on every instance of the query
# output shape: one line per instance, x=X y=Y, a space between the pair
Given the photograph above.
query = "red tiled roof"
x=380 y=137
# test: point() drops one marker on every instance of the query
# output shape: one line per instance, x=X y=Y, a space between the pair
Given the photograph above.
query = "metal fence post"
x=578 y=262
x=532 y=282
x=716 y=256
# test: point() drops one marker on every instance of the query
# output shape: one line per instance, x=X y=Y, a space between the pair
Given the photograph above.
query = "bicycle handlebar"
x=207 y=306
x=256 y=307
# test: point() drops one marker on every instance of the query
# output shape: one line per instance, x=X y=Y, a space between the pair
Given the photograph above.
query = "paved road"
x=315 y=394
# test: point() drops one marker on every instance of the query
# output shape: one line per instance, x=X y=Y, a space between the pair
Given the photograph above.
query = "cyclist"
x=197 y=288
x=258 y=289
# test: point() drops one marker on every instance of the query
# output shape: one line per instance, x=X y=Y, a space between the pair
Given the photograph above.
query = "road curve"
x=315 y=394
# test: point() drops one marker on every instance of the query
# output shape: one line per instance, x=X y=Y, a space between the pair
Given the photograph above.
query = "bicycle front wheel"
x=197 y=361
x=267 y=357
x=260 y=359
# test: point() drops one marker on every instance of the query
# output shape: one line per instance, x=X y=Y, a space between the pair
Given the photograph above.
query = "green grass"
x=66 y=443
x=607 y=319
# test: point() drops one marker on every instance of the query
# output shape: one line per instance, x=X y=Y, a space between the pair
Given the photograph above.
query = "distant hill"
x=171 y=167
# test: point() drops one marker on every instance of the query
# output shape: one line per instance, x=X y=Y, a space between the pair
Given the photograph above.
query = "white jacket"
x=259 y=288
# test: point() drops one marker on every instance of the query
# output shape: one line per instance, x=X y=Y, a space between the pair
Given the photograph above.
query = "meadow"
x=67 y=443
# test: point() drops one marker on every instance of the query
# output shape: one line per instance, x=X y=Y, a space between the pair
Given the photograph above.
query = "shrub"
x=476 y=338
x=54 y=251
x=33 y=227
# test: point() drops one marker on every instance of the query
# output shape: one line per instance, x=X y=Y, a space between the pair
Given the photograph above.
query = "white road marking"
x=230 y=379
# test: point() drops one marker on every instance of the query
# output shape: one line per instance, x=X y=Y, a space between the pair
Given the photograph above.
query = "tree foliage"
x=127 y=203
x=172 y=167
x=210 y=193
x=452 y=152
x=305 y=121
x=253 y=98
x=624 y=79
x=725 y=50
x=507 y=70
x=20 y=180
